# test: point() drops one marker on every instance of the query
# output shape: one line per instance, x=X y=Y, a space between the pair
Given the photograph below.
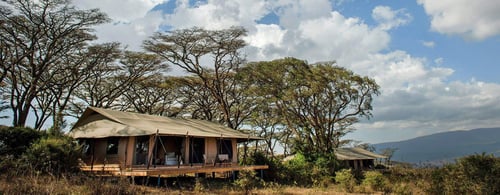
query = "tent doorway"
x=225 y=146
x=141 y=150
x=197 y=150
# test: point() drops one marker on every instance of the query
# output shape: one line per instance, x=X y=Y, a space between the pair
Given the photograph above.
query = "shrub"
x=475 y=174
x=54 y=155
x=401 y=189
x=276 y=171
x=199 y=184
x=298 y=170
x=374 y=179
x=16 y=140
x=345 y=179
x=247 y=180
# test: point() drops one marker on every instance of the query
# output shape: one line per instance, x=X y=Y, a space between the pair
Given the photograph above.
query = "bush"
x=247 y=180
x=298 y=171
x=375 y=180
x=54 y=155
x=16 y=140
x=475 y=174
x=276 y=171
x=401 y=189
x=322 y=172
x=346 y=180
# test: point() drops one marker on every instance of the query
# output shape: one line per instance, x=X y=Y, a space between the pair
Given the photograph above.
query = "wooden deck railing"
x=164 y=171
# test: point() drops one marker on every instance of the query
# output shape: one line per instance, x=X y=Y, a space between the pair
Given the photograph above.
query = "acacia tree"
x=195 y=99
x=106 y=84
x=212 y=56
x=38 y=35
x=318 y=102
x=54 y=101
x=152 y=95
x=268 y=123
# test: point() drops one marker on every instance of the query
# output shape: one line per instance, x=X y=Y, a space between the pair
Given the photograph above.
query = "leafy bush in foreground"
x=54 y=155
x=475 y=174
x=345 y=179
x=16 y=140
x=375 y=180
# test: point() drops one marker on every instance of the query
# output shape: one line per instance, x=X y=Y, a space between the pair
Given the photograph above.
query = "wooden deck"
x=165 y=171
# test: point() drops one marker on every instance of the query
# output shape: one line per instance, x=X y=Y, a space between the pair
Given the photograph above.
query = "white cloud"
x=478 y=19
x=388 y=18
x=130 y=34
x=132 y=20
x=416 y=94
x=217 y=14
x=429 y=44
x=438 y=61
x=123 y=10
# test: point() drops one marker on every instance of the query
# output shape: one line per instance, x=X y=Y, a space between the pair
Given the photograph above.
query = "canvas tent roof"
x=350 y=154
x=100 y=123
x=356 y=154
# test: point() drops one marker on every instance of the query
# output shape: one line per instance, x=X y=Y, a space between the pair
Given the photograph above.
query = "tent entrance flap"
x=141 y=150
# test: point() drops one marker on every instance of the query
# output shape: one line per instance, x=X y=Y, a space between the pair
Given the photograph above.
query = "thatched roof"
x=100 y=123
x=356 y=154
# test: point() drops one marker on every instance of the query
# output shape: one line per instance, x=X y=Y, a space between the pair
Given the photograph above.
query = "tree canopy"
x=317 y=102
x=52 y=67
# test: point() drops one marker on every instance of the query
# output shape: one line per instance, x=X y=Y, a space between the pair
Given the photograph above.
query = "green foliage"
x=346 y=180
x=298 y=170
x=401 y=189
x=199 y=184
x=16 y=140
x=318 y=102
x=248 y=180
x=374 y=179
x=276 y=171
x=310 y=170
x=54 y=155
x=475 y=174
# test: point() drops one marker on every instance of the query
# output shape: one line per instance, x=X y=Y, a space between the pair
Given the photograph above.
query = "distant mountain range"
x=445 y=147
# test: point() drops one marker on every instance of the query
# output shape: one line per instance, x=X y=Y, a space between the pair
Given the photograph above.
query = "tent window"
x=87 y=146
x=225 y=146
x=112 y=145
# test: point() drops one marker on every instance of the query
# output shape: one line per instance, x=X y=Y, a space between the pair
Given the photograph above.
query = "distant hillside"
x=445 y=147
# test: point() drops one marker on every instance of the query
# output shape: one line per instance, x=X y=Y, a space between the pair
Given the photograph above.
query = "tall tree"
x=267 y=121
x=154 y=95
x=213 y=56
x=39 y=34
x=59 y=94
x=319 y=102
x=196 y=100
x=106 y=85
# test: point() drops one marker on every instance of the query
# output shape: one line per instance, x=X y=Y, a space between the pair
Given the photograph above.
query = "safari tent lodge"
x=132 y=144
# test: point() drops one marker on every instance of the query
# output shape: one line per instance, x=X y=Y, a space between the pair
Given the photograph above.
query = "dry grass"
x=81 y=184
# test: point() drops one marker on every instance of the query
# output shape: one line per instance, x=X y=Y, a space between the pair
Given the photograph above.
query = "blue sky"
x=437 y=62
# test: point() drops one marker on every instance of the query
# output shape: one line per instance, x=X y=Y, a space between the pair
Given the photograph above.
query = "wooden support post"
x=245 y=148
x=191 y=151
x=126 y=154
x=150 y=158
x=93 y=155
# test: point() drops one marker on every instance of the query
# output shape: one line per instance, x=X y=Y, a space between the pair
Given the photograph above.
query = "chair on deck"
x=207 y=161
x=224 y=159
